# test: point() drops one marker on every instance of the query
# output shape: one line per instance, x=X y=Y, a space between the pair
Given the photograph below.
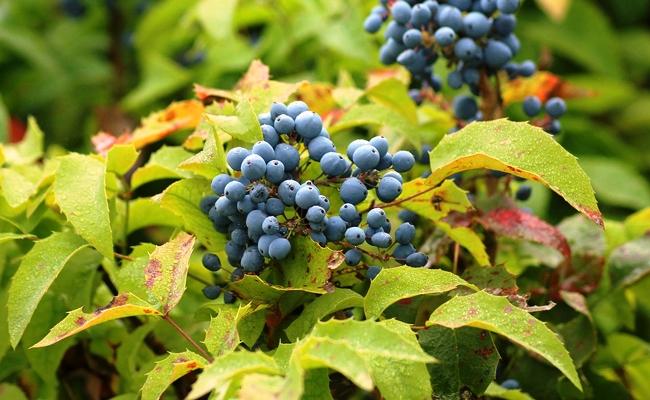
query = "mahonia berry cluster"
x=266 y=200
x=474 y=37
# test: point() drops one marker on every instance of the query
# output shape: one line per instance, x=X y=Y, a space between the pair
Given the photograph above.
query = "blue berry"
x=507 y=6
x=270 y=225
x=287 y=191
x=555 y=107
x=259 y=193
x=381 y=240
x=497 y=54
x=532 y=106
x=270 y=135
x=372 y=272
x=388 y=189
x=264 y=242
x=225 y=207
x=324 y=202
x=513 y=44
x=476 y=25
x=349 y=214
x=315 y=214
x=254 y=221
x=208 y=202
x=527 y=68
x=372 y=23
x=318 y=237
x=212 y=291
x=445 y=36
x=288 y=155
x=333 y=164
x=462 y=5
x=277 y=109
x=229 y=297
x=465 y=107
x=274 y=206
x=219 y=183
x=275 y=171
x=466 y=49
x=284 y=124
x=381 y=144
x=235 y=191
x=405 y=233
x=376 y=218
x=401 y=12
x=510 y=384
x=252 y=260
x=420 y=15
x=395 y=175
x=246 y=205
x=450 y=17
x=306 y=197
x=239 y=236
x=385 y=162
x=524 y=192
x=355 y=235
x=309 y=124
x=412 y=38
x=211 y=262
x=488 y=6
x=455 y=79
x=554 y=127
x=265 y=119
x=403 y=161
x=253 y=167
x=417 y=260
x=408 y=216
x=402 y=251
x=264 y=150
x=504 y=24
x=395 y=31
x=279 y=249
x=319 y=146
x=295 y=108
x=366 y=157
x=335 y=229
x=235 y=157
x=353 y=257
x=353 y=191
x=354 y=145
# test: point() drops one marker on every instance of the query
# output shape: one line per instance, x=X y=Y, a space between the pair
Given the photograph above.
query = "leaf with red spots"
x=519 y=149
x=169 y=370
x=466 y=357
x=122 y=306
x=518 y=224
x=166 y=271
x=498 y=315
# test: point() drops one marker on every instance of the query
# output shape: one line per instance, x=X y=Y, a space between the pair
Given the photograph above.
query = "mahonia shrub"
x=310 y=240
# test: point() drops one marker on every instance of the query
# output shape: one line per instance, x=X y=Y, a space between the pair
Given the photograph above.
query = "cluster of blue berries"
x=555 y=108
x=472 y=35
x=266 y=200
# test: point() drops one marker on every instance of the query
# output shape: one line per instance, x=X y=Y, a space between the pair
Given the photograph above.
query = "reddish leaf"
x=518 y=224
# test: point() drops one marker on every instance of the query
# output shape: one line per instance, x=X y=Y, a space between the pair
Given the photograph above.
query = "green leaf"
x=120 y=158
x=166 y=271
x=80 y=192
x=499 y=392
x=393 y=93
x=391 y=352
x=257 y=290
x=432 y=202
x=11 y=392
x=229 y=367
x=630 y=262
x=309 y=265
x=216 y=17
x=329 y=303
x=16 y=188
x=223 y=334
x=394 y=284
x=467 y=358
x=38 y=269
x=6 y=237
x=122 y=306
x=29 y=149
x=467 y=238
x=211 y=161
x=168 y=370
x=163 y=164
x=519 y=149
x=144 y=211
x=243 y=126
x=257 y=88
x=617 y=183
x=498 y=315
x=183 y=198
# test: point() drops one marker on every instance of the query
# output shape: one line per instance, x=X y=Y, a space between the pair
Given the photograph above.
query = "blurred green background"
x=80 y=66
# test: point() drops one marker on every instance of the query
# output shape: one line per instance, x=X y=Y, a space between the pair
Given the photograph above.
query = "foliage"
x=117 y=236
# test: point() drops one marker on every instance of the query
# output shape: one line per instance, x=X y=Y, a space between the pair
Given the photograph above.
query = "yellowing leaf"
x=556 y=9
x=212 y=159
x=80 y=192
x=120 y=158
x=29 y=149
x=166 y=271
x=498 y=315
x=169 y=370
x=122 y=306
x=519 y=149
x=433 y=202
x=468 y=239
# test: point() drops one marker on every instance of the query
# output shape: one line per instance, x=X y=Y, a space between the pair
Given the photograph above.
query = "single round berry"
x=315 y=214
x=532 y=106
x=372 y=23
x=510 y=384
x=320 y=146
x=403 y=161
x=524 y=192
x=246 y=205
x=252 y=260
x=408 y=216
x=376 y=218
x=333 y=164
x=355 y=235
x=229 y=297
x=507 y=6
x=527 y=68
x=270 y=135
x=279 y=249
x=417 y=260
x=253 y=167
x=274 y=206
x=208 y=202
x=335 y=229
x=212 y=291
x=445 y=36
x=465 y=107
x=306 y=197
x=476 y=25
x=412 y=38
x=264 y=150
x=497 y=54
x=275 y=171
x=284 y=124
x=235 y=157
x=287 y=191
x=235 y=191
x=318 y=237
x=308 y=124
x=271 y=225
x=219 y=183
x=354 y=145
x=324 y=202
x=265 y=119
x=297 y=107
x=450 y=17
x=277 y=109
x=211 y=262
x=264 y=242
x=259 y=193
x=402 y=251
x=381 y=240
x=405 y=233
x=388 y=189
x=372 y=272
x=366 y=157
x=288 y=155
x=381 y=144
x=349 y=214
x=555 y=107
x=401 y=12
x=353 y=257
x=420 y=15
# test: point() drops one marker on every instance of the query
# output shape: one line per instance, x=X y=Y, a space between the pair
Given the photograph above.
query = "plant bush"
x=208 y=267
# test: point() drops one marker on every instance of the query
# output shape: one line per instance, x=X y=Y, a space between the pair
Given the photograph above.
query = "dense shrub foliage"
x=293 y=239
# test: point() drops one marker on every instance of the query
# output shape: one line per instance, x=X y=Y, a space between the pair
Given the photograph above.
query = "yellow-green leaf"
x=498 y=315
x=469 y=239
x=212 y=159
x=29 y=149
x=79 y=189
x=163 y=164
x=434 y=202
x=243 y=126
x=256 y=289
x=169 y=370
x=120 y=158
x=144 y=212
x=5 y=237
x=166 y=271
x=15 y=188
x=518 y=149
x=122 y=306
x=394 y=284
x=37 y=270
